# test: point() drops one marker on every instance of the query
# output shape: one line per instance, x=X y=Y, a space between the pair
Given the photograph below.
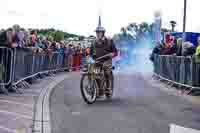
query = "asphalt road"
x=137 y=107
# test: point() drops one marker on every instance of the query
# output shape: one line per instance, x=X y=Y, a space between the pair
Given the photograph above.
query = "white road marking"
x=16 y=114
x=7 y=129
x=43 y=103
x=76 y=113
x=18 y=103
x=24 y=95
x=178 y=129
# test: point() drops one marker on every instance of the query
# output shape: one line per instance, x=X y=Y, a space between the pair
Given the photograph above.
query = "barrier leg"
x=16 y=89
x=74 y=63
x=3 y=89
x=27 y=84
x=78 y=62
x=70 y=62
x=24 y=84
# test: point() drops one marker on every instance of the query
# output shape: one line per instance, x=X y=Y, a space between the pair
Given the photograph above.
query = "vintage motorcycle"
x=93 y=82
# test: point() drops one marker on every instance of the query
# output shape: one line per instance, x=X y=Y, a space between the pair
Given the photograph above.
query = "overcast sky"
x=81 y=16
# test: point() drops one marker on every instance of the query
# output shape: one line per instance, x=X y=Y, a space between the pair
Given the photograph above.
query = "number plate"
x=97 y=70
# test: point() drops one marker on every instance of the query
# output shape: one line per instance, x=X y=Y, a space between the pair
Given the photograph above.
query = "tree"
x=133 y=29
x=143 y=27
x=123 y=30
x=135 y=33
x=173 y=25
x=81 y=38
x=58 y=36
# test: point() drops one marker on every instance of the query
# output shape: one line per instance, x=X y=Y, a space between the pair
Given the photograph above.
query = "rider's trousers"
x=107 y=66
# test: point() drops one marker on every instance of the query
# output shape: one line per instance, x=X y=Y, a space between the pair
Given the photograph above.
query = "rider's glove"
x=111 y=55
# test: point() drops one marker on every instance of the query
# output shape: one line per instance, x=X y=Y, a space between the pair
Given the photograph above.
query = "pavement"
x=17 y=110
x=138 y=106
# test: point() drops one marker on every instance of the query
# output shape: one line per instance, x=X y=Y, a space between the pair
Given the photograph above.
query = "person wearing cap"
x=197 y=53
x=104 y=46
x=69 y=57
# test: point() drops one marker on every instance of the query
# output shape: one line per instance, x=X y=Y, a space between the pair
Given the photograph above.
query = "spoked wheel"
x=110 y=94
x=88 y=89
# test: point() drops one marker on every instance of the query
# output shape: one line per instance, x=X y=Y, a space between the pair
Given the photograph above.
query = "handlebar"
x=107 y=55
x=96 y=60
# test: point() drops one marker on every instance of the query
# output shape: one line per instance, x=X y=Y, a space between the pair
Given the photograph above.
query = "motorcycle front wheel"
x=88 y=88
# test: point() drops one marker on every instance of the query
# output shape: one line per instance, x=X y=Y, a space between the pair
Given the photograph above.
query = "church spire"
x=99 y=24
x=99 y=27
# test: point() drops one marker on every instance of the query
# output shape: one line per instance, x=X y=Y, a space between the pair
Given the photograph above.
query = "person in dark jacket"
x=156 y=50
x=189 y=49
x=179 y=47
x=104 y=46
x=7 y=40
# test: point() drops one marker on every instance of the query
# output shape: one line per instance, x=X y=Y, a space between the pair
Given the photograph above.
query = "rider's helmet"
x=100 y=29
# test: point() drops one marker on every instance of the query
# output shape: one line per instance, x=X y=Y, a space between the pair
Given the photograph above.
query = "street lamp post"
x=184 y=19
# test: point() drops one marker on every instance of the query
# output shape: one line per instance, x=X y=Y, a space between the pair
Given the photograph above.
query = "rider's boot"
x=108 y=91
x=100 y=93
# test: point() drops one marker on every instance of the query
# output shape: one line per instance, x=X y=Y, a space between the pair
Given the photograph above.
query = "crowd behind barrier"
x=24 y=53
x=179 y=69
x=177 y=61
x=20 y=64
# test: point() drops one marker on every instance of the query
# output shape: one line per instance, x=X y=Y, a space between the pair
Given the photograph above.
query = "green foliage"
x=135 y=33
x=69 y=35
x=81 y=38
x=56 y=34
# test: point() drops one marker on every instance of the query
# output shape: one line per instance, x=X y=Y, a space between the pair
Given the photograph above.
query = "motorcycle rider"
x=104 y=46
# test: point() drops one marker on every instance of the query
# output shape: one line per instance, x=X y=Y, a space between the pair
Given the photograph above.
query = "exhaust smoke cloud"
x=135 y=58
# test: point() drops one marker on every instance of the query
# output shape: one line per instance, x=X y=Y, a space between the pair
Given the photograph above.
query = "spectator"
x=62 y=48
x=69 y=56
x=167 y=40
x=62 y=51
x=167 y=50
x=46 y=44
x=33 y=38
x=26 y=38
x=6 y=38
x=39 y=45
x=188 y=49
x=157 y=50
x=17 y=36
x=88 y=51
x=52 y=47
x=58 y=47
x=179 y=47
x=20 y=36
x=198 y=48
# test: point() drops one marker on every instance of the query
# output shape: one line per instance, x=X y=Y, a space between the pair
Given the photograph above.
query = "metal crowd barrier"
x=6 y=64
x=181 y=70
x=17 y=65
x=6 y=67
x=27 y=63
